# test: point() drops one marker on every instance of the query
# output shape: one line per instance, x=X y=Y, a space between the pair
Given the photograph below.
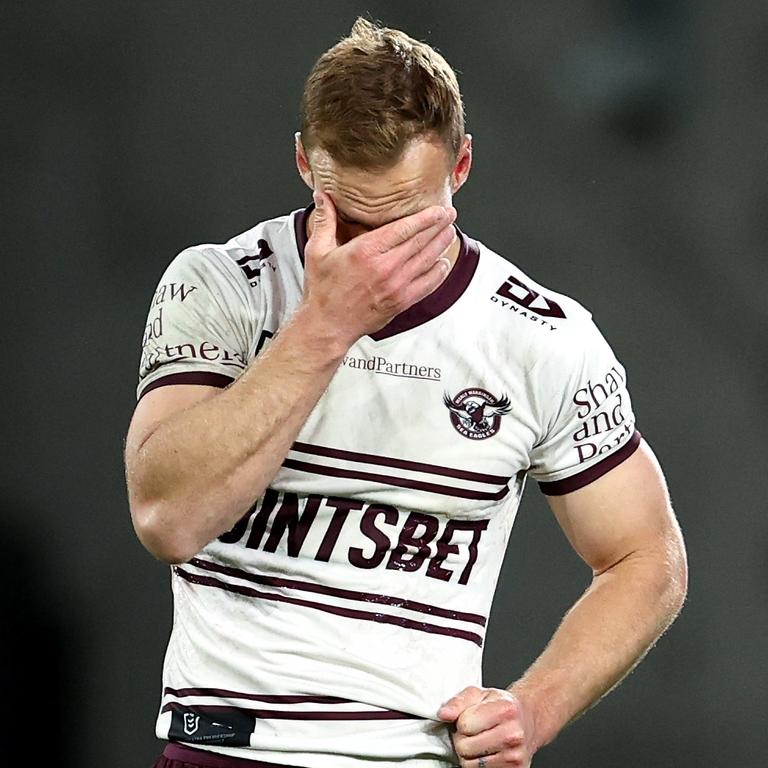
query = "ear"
x=302 y=162
x=463 y=164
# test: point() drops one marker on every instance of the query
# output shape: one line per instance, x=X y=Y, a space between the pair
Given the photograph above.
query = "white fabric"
x=324 y=603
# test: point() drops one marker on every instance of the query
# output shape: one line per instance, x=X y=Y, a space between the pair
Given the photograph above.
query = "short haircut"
x=374 y=91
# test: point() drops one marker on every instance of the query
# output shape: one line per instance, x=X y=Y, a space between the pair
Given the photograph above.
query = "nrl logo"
x=476 y=413
x=191 y=723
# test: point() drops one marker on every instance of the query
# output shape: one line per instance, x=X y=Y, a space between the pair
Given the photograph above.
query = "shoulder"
x=529 y=314
x=515 y=287
x=234 y=265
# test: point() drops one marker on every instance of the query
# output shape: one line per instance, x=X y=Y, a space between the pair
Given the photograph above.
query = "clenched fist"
x=492 y=728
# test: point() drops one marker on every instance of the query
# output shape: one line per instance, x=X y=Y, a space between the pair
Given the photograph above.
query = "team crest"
x=476 y=413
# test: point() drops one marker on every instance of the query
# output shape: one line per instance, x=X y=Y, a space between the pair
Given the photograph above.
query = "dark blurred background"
x=621 y=156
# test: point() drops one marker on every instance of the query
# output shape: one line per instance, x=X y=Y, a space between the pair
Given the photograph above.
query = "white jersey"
x=329 y=625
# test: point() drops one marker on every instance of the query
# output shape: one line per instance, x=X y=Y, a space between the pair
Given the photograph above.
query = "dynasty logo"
x=476 y=413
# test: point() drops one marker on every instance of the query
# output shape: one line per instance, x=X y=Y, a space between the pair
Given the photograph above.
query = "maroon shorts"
x=180 y=756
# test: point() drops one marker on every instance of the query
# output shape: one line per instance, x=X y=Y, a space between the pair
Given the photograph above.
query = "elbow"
x=675 y=575
x=158 y=536
x=680 y=575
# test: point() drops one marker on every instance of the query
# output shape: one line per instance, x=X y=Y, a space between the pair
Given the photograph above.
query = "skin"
x=365 y=200
x=379 y=242
x=623 y=527
x=395 y=248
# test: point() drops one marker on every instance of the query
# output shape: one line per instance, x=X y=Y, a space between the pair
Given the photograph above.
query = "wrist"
x=541 y=720
x=320 y=334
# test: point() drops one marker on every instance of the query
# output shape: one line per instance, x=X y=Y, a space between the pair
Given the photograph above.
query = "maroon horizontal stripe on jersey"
x=298 y=714
x=387 y=461
x=349 y=594
x=380 y=618
x=267 y=698
x=401 y=482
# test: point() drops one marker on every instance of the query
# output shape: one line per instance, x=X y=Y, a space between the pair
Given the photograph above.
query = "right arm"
x=198 y=457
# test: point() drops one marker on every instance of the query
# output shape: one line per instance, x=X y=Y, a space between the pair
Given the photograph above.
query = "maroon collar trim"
x=441 y=299
x=300 y=221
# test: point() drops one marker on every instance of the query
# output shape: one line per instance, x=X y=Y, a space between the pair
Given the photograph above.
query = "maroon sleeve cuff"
x=574 y=482
x=206 y=378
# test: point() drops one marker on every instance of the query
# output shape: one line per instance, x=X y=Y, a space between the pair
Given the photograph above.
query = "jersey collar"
x=441 y=299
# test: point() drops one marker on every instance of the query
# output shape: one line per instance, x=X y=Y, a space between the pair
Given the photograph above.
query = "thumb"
x=456 y=705
x=323 y=237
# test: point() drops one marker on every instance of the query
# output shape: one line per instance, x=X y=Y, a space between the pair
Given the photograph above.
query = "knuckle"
x=364 y=251
x=513 y=738
x=386 y=270
x=407 y=230
x=511 y=709
x=461 y=724
x=446 y=236
x=420 y=240
x=390 y=288
x=389 y=301
x=368 y=245
x=461 y=750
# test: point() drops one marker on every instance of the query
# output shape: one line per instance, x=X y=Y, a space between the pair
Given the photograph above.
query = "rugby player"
x=338 y=411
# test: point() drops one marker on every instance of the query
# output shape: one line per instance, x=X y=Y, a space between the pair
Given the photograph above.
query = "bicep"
x=159 y=405
x=624 y=511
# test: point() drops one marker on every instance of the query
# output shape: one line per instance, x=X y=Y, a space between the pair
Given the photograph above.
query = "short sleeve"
x=586 y=418
x=199 y=325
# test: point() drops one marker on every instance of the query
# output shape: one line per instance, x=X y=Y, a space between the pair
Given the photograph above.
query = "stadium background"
x=620 y=157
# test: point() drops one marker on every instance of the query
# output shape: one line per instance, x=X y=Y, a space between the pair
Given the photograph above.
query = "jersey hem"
x=587 y=476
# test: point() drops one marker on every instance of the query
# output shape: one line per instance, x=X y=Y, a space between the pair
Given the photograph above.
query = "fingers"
x=501 y=738
x=427 y=256
x=507 y=758
x=323 y=238
x=411 y=229
x=414 y=268
x=452 y=708
x=416 y=290
x=377 y=275
x=422 y=233
x=486 y=715
x=489 y=728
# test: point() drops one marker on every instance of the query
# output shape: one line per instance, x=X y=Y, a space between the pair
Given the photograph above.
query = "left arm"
x=623 y=527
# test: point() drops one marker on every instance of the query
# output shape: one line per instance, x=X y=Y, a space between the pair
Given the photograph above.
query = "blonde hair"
x=374 y=91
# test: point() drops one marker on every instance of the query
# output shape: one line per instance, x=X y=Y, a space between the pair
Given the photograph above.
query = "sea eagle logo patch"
x=476 y=413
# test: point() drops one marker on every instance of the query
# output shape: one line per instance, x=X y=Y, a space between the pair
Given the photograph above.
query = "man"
x=338 y=410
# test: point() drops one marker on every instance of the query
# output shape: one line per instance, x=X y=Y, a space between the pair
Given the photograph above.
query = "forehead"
x=412 y=183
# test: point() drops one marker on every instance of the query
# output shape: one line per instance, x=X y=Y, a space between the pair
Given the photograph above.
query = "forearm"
x=604 y=635
x=198 y=472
